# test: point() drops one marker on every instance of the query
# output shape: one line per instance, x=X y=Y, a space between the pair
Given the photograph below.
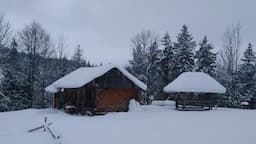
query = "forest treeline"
x=158 y=61
x=30 y=60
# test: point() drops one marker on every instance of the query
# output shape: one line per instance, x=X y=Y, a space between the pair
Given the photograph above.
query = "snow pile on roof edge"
x=51 y=89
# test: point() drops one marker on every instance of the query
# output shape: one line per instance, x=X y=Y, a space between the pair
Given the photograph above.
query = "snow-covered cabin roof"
x=84 y=75
x=198 y=82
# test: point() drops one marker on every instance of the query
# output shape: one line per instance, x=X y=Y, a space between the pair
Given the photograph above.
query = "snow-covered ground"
x=150 y=125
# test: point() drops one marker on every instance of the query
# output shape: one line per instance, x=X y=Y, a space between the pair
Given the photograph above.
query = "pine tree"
x=184 y=56
x=138 y=67
x=4 y=103
x=246 y=74
x=11 y=85
x=9 y=81
x=153 y=72
x=77 y=58
x=167 y=59
x=205 y=58
x=139 y=63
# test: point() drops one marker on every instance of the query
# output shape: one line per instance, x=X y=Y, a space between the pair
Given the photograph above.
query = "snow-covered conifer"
x=247 y=74
x=184 y=55
x=205 y=58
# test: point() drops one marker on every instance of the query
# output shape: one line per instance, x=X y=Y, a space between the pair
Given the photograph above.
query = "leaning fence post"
x=45 y=123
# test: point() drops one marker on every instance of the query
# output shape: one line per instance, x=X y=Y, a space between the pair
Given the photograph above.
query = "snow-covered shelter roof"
x=85 y=75
x=197 y=82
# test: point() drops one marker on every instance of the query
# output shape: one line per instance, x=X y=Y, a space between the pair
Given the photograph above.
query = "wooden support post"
x=183 y=104
x=176 y=104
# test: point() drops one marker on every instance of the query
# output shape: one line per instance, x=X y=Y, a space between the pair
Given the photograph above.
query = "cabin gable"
x=114 y=79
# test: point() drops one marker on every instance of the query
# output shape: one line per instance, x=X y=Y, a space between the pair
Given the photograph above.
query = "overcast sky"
x=104 y=27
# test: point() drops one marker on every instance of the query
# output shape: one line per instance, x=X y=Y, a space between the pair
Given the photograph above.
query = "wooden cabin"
x=252 y=103
x=96 y=89
x=195 y=91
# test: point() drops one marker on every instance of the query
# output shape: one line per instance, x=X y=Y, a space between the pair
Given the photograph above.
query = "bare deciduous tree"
x=144 y=46
x=5 y=31
x=46 y=51
x=61 y=46
x=36 y=42
x=230 y=56
x=143 y=39
x=140 y=46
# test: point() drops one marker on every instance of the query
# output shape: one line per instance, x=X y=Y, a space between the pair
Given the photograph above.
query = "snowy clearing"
x=151 y=125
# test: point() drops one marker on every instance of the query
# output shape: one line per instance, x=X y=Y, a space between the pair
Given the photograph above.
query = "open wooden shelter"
x=195 y=91
x=96 y=89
